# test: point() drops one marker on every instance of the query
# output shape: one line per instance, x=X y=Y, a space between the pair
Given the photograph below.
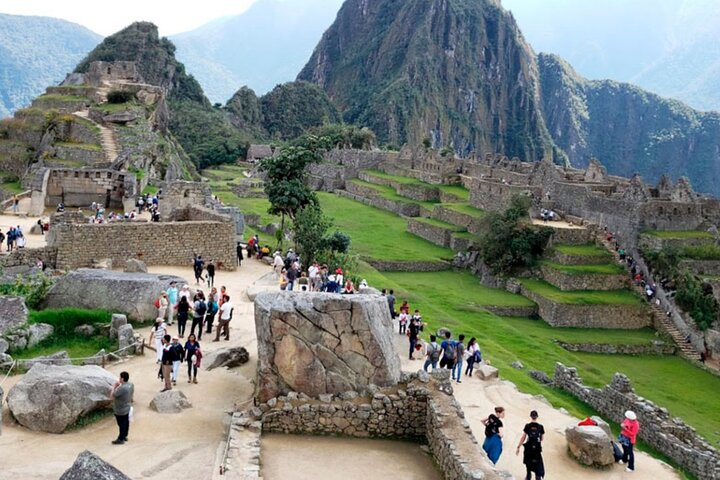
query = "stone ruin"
x=327 y=366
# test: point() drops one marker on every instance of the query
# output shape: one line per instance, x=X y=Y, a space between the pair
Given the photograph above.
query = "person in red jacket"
x=629 y=429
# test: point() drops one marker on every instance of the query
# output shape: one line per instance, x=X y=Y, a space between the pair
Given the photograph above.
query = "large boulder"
x=126 y=340
x=486 y=372
x=51 y=398
x=590 y=445
x=134 y=265
x=116 y=321
x=13 y=313
x=4 y=346
x=267 y=283
x=133 y=294
x=227 y=357
x=317 y=343
x=89 y=466
x=39 y=332
x=171 y=401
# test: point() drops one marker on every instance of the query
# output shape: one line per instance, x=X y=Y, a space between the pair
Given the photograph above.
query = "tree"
x=309 y=230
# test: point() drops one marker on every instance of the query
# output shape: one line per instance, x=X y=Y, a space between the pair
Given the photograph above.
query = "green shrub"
x=33 y=289
x=702 y=252
x=119 y=96
x=696 y=298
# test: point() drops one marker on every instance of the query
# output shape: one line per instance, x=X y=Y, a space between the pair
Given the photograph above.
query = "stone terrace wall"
x=670 y=436
x=577 y=281
x=654 y=348
x=173 y=243
x=28 y=257
x=432 y=233
x=628 y=317
x=398 y=208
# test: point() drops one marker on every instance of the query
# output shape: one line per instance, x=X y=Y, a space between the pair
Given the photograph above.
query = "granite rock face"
x=590 y=445
x=89 y=466
x=13 y=313
x=51 y=398
x=317 y=343
x=39 y=332
x=133 y=294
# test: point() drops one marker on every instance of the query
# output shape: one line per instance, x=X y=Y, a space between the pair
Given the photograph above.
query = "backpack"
x=534 y=438
x=491 y=427
x=202 y=308
x=450 y=350
x=435 y=353
x=157 y=303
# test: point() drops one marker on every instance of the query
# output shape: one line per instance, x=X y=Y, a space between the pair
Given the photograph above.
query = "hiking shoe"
x=118 y=442
x=459 y=381
x=629 y=470
x=194 y=380
x=189 y=380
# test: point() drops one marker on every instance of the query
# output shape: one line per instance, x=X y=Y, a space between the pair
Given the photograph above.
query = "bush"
x=33 y=289
x=696 y=298
x=119 y=96
x=337 y=242
x=702 y=252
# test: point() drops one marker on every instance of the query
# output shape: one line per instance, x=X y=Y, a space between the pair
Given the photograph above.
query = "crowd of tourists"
x=14 y=238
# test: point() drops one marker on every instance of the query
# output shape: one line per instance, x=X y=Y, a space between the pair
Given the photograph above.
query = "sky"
x=105 y=18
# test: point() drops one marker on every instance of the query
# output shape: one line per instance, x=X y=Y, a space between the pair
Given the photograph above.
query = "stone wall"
x=702 y=267
x=448 y=215
x=417 y=409
x=654 y=348
x=566 y=259
x=410 y=266
x=81 y=154
x=651 y=242
x=396 y=207
x=668 y=435
x=581 y=281
x=172 y=243
x=556 y=314
x=495 y=196
x=418 y=192
x=79 y=188
x=432 y=233
x=28 y=257
x=572 y=236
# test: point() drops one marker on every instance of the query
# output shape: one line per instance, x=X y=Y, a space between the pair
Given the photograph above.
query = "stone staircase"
x=108 y=139
x=660 y=317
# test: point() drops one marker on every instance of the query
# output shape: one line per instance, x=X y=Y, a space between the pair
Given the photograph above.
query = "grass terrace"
x=581 y=297
x=12 y=187
x=466 y=209
x=582 y=250
x=440 y=224
x=389 y=193
x=602 y=269
x=457 y=190
x=678 y=234
x=399 y=179
x=224 y=172
x=84 y=146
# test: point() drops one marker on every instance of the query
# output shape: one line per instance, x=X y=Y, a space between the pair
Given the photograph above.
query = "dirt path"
x=478 y=398
x=160 y=446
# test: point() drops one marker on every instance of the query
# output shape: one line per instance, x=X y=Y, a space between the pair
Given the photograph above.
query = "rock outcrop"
x=51 y=398
x=134 y=265
x=227 y=357
x=13 y=313
x=133 y=294
x=172 y=401
x=316 y=343
x=89 y=466
x=590 y=445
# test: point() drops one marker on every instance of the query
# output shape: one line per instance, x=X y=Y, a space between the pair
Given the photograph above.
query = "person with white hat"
x=629 y=429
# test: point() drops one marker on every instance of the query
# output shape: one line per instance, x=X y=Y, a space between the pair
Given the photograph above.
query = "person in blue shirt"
x=172 y=294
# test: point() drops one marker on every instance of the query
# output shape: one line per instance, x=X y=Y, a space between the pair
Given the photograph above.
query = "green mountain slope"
x=455 y=71
x=36 y=52
x=629 y=129
x=204 y=131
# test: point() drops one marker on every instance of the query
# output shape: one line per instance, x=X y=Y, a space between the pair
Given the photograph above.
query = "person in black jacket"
x=239 y=254
x=210 y=273
x=167 y=363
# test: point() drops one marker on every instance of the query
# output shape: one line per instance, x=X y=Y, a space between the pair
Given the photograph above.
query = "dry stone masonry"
x=668 y=435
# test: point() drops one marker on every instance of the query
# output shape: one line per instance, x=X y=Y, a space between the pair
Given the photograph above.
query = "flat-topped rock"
x=132 y=294
x=317 y=343
x=172 y=401
x=590 y=445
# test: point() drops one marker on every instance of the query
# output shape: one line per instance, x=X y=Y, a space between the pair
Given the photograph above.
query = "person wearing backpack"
x=459 y=354
x=432 y=352
x=493 y=434
x=199 y=311
x=531 y=440
x=629 y=429
x=212 y=309
x=448 y=351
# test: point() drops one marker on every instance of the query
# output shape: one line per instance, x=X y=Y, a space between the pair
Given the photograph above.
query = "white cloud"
x=105 y=18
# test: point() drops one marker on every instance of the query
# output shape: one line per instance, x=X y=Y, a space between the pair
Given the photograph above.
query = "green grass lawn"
x=669 y=381
x=581 y=297
x=224 y=172
x=466 y=209
x=83 y=146
x=150 y=190
x=378 y=234
x=389 y=193
x=399 y=179
x=601 y=269
x=677 y=234
x=582 y=250
x=458 y=190
x=250 y=206
x=12 y=187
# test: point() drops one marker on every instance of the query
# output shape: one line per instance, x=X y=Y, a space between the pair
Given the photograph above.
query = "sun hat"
x=630 y=415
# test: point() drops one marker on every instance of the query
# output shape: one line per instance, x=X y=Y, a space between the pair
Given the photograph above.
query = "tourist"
x=162 y=304
x=15 y=203
x=212 y=309
x=531 y=440
x=448 y=352
x=339 y=278
x=403 y=320
x=185 y=292
x=256 y=244
x=226 y=311
x=363 y=284
x=629 y=429
x=198 y=265
x=418 y=318
x=182 y=315
x=292 y=275
x=172 y=294
x=239 y=251
x=21 y=241
x=459 y=354
x=313 y=273
x=278 y=263
x=199 y=311
x=192 y=357
x=473 y=356
x=158 y=332
x=250 y=247
x=283 y=279
x=122 y=397
x=177 y=357
x=405 y=308
x=210 y=273
x=167 y=363
x=391 y=302
x=348 y=289
x=41 y=225
x=413 y=333
x=331 y=285
x=493 y=434
x=432 y=352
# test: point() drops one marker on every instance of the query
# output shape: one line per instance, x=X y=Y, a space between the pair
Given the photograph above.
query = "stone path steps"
x=660 y=317
x=107 y=137
x=243 y=451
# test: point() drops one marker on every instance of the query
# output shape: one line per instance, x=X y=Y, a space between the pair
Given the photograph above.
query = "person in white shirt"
x=278 y=263
x=226 y=311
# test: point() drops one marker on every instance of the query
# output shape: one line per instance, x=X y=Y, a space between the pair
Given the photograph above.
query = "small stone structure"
x=668 y=435
x=323 y=343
